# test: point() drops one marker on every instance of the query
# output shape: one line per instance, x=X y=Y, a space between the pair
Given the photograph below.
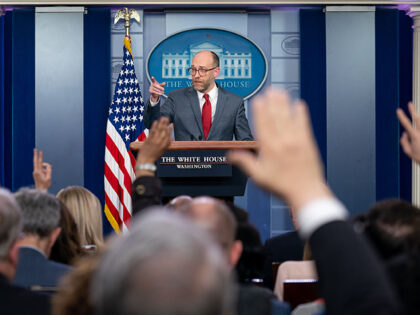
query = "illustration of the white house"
x=232 y=65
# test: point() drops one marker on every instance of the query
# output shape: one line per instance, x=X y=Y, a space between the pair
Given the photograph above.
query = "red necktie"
x=206 y=116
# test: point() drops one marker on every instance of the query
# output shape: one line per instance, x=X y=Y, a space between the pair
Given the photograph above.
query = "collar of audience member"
x=42 y=244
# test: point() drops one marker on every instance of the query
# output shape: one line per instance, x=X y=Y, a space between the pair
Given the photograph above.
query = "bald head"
x=215 y=217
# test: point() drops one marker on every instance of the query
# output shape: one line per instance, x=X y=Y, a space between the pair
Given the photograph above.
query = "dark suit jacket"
x=253 y=300
x=183 y=109
x=15 y=300
x=281 y=248
x=352 y=280
x=35 y=269
x=146 y=192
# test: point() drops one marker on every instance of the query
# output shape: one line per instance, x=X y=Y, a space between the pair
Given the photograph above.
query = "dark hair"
x=67 y=246
x=393 y=227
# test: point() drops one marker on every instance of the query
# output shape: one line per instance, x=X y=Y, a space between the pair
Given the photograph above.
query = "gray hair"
x=40 y=211
x=163 y=266
x=10 y=222
x=215 y=217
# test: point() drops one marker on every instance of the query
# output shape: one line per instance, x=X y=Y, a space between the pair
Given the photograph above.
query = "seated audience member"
x=351 y=278
x=179 y=202
x=281 y=248
x=295 y=270
x=216 y=218
x=87 y=212
x=249 y=268
x=165 y=265
x=84 y=206
x=13 y=299
x=393 y=227
x=74 y=296
x=67 y=247
x=41 y=217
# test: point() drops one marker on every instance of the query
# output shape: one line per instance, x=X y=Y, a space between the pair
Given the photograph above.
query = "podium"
x=199 y=168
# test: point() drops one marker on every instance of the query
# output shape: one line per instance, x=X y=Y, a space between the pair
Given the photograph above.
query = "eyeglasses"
x=201 y=71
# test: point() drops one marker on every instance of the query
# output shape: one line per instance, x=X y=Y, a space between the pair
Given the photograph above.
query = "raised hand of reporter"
x=42 y=172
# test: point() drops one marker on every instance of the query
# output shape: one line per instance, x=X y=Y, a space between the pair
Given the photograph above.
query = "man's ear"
x=235 y=253
x=216 y=72
x=14 y=254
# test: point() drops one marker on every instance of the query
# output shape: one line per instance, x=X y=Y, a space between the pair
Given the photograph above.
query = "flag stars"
x=110 y=111
x=127 y=62
x=132 y=62
x=130 y=90
x=120 y=82
x=134 y=118
x=131 y=71
x=141 y=99
x=141 y=118
x=124 y=109
x=127 y=53
x=133 y=127
x=121 y=128
x=121 y=72
x=126 y=72
x=116 y=119
x=129 y=109
x=135 y=108
x=136 y=91
x=124 y=100
x=123 y=119
x=127 y=128
x=128 y=119
x=127 y=137
x=118 y=101
x=131 y=81
x=125 y=91
x=119 y=91
x=136 y=81
x=142 y=109
x=117 y=110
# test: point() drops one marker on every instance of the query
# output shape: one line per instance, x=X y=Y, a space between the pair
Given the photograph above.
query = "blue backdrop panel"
x=387 y=130
x=19 y=102
x=258 y=201
x=313 y=73
x=406 y=92
x=2 y=127
x=350 y=59
x=97 y=76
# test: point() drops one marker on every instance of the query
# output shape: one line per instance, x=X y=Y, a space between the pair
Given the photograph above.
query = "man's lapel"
x=195 y=107
x=220 y=106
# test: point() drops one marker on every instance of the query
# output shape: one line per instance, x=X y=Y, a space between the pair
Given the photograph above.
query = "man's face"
x=204 y=83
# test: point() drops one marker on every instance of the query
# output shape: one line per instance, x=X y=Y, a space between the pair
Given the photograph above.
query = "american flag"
x=125 y=125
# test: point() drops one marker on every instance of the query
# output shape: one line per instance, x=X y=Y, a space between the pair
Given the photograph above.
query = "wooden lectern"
x=199 y=168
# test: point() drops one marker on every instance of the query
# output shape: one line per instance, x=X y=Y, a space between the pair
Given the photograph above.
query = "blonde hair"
x=87 y=212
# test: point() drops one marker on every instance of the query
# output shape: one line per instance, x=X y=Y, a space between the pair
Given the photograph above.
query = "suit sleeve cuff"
x=153 y=104
x=321 y=211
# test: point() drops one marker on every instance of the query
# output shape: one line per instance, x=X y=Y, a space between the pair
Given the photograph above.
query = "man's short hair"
x=215 y=217
x=216 y=61
x=40 y=211
x=164 y=265
x=393 y=227
x=10 y=222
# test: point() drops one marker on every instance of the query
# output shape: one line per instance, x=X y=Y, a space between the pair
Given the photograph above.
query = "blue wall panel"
x=350 y=60
x=2 y=113
x=59 y=95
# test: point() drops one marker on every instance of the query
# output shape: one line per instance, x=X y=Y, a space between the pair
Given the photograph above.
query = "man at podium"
x=203 y=111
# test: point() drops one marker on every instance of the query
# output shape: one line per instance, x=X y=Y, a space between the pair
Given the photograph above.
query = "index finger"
x=405 y=121
x=35 y=159
x=154 y=80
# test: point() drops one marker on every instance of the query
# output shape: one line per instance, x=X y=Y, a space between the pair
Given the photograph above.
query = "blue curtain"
x=97 y=98
x=18 y=98
x=2 y=129
x=313 y=73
